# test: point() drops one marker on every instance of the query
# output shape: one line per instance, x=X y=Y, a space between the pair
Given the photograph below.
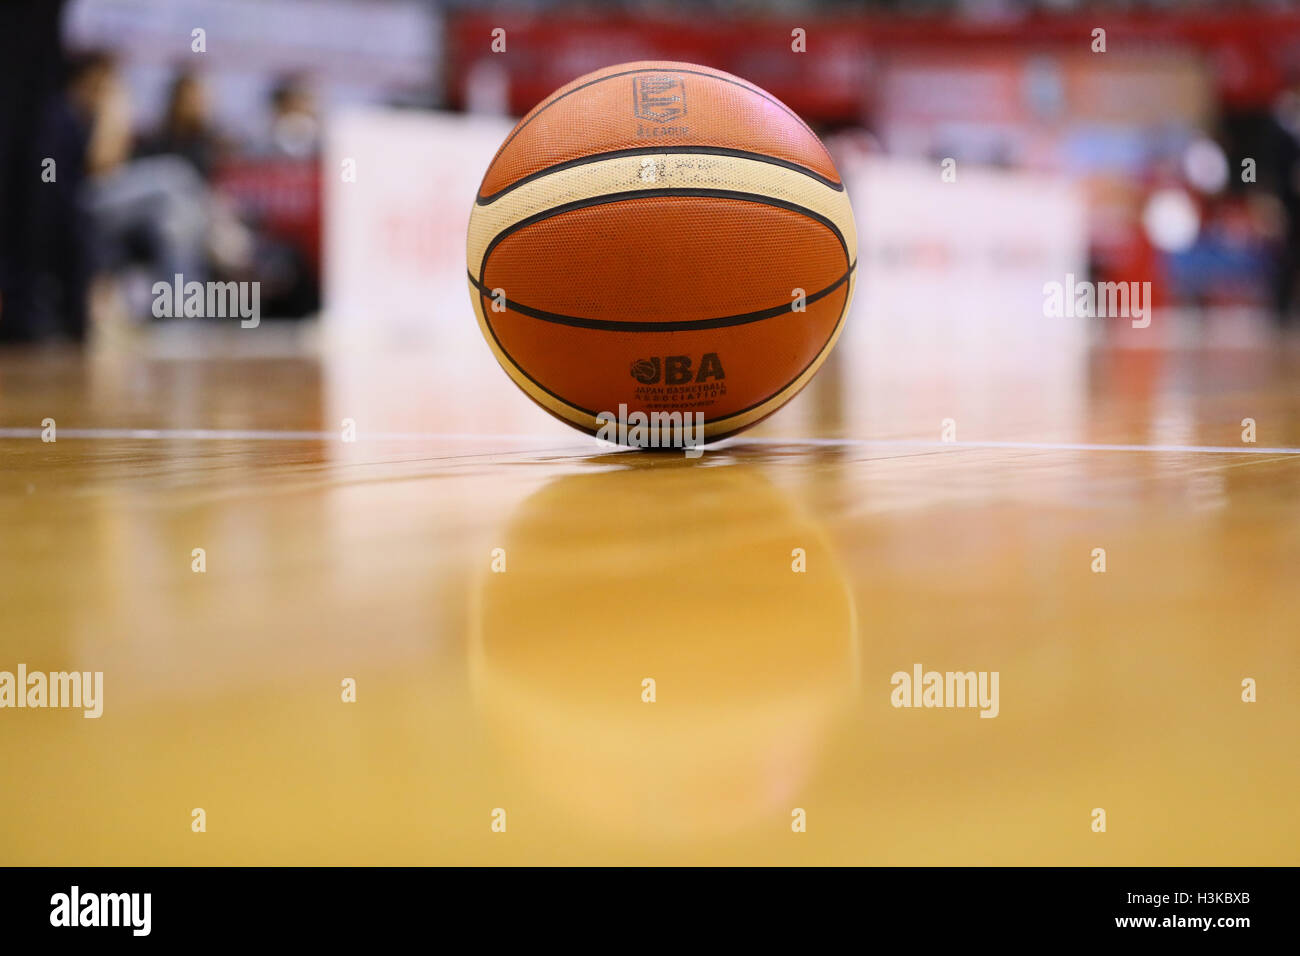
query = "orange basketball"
x=661 y=238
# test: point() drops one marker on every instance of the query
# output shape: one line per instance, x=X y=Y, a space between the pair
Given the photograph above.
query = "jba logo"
x=677 y=369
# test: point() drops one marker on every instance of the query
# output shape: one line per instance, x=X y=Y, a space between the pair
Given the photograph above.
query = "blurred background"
x=1178 y=148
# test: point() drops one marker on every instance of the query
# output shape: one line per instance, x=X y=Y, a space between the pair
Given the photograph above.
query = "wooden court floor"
x=486 y=695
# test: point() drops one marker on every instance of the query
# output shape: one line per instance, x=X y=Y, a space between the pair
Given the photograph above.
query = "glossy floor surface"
x=500 y=589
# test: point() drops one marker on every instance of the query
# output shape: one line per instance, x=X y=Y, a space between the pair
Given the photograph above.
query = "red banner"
x=1251 y=55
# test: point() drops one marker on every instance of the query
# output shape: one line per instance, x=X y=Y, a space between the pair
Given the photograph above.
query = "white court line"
x=217 y=434
x=235 y=434
x=1025 y=445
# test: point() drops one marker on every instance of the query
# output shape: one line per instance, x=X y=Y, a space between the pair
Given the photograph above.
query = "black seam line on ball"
x=482 y=200
x=578 y=408
x=838 y=323
x=685 y=325
x=655 y=194
x=646 y=69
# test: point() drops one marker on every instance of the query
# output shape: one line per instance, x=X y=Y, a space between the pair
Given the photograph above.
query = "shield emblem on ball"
x=659 y=97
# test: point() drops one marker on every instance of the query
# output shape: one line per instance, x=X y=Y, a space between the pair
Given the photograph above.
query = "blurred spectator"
x=275 y=187
x=295 y=129
x=97 y=95
x=149 y=216
x=1286 y=116
x=186 y=129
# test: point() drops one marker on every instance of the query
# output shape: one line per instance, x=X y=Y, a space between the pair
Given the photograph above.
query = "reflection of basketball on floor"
x=616 y=577
x=666 y=237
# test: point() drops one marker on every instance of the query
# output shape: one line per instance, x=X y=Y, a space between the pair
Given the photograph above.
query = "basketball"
x=661 y=242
